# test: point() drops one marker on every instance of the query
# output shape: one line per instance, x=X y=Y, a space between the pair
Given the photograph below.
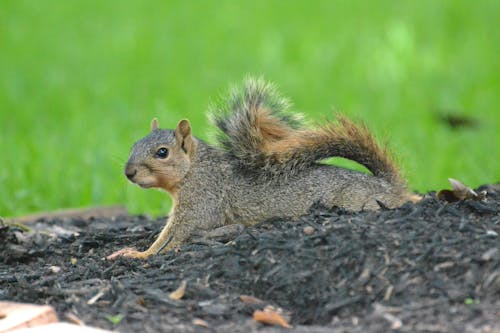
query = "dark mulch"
x=430 y=267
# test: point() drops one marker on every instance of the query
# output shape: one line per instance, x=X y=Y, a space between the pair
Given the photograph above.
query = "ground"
x=427 y=267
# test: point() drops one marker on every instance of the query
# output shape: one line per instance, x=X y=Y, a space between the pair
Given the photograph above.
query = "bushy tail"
x=258 y=131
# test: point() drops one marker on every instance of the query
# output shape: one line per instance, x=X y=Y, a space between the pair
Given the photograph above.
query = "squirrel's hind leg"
x=225 y=233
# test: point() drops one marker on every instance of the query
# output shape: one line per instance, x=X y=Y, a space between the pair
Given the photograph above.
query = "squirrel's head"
x=163 y=158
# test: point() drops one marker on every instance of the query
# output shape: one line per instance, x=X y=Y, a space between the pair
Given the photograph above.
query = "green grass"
x=81 y=80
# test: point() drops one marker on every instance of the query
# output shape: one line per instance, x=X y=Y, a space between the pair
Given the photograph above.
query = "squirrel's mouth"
x=144 y=183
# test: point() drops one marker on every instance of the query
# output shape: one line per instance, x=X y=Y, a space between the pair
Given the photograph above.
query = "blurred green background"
x=81 y=80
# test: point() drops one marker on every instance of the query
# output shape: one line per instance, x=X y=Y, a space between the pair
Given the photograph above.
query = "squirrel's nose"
x=130 y=172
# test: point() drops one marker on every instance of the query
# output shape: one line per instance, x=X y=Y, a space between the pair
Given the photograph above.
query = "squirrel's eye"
x=162 y=153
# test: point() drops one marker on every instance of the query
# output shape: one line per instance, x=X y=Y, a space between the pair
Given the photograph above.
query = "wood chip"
x=396 y=323
x=54 y=269
x=270 y=317
x=96 y=297
x=490 y=254
x=308 y=230
x=443 y=265
x=251 y=299
x=179 y=292
x=388 y=293
x=200 y=322
x=72 y=318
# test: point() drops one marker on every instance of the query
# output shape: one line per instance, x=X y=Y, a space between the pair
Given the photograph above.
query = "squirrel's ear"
x=183 y=128
x=183 y=136
x=154 y=124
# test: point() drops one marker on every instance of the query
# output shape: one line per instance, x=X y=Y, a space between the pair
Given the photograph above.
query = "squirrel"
x=267 y=164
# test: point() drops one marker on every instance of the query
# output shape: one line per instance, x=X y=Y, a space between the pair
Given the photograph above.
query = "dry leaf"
x=179 y=292
x=270 y=317
x=455 y=120
x=251 y=299
x=459 y=192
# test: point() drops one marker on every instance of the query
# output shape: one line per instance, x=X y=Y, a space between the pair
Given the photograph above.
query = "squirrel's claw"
x=128 y=252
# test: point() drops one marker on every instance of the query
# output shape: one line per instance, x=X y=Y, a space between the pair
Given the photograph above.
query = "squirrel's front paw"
x=128 y=252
